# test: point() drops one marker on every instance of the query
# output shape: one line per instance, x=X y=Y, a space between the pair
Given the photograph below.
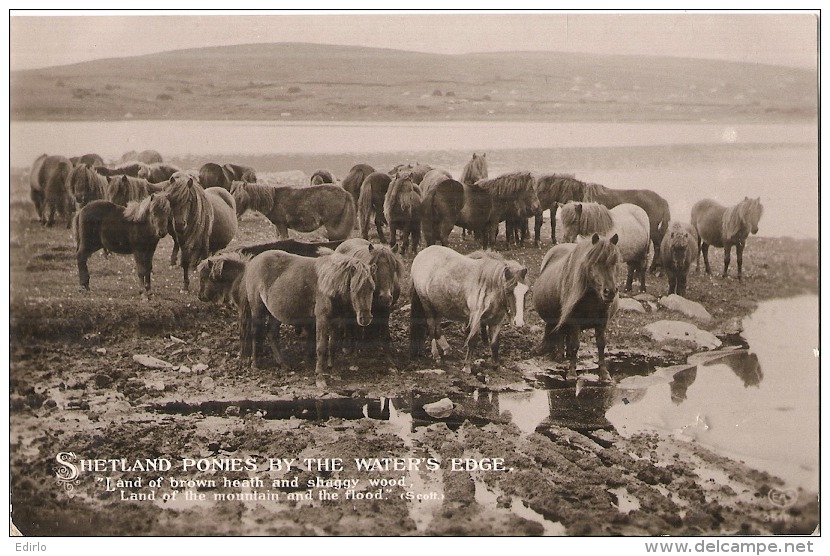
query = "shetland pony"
x=480 y=292
x=372 y=193
x=203 y=221
x=309 y=293
x=49 y=189
x=90 y=160
x=86 y=185
x=441 y=207
x=158 y=172
x=387 y=270
x=514 y=200
x=433 y=178
x=134 y=230
x=320 y=177
x=122 y=190
x=402 y=209
x=238 y=172
x=720 y=226
x=214 y=175
x=473 y=171
x=304 y=209
x=656 y=207
x=355 y=178
x=222 y=280
x=629 y=222
x=552 y=190
x=576 y=290
x=678 y=249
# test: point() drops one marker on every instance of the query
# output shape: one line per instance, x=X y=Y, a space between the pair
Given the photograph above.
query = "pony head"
x=600 y=267
x=361 y=291
x=217 y=274
x=86 y=185
x=343 y=277
x=387 y=273
x=752 y=215
x=239 y=192
x=159 y=212
x=679 y=247
x=583 y=219
x=475 y=169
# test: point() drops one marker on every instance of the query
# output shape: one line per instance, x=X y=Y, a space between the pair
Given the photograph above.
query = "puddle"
x=759 y=406
x=490 y=498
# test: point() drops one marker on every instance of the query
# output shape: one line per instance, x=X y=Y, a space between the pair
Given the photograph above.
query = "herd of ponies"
x=340 y=293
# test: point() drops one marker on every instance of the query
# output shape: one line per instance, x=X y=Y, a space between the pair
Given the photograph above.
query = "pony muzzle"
x=364 y=318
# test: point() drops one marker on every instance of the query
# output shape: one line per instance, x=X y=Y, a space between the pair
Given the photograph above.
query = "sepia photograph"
x=415 y=274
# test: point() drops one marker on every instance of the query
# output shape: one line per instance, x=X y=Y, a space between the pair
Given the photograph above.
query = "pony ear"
x=595 y=238
x=190 y=182
x=124 y=179
x=370 y=247
x=615 y=238
x=483 y=155
x=523 y=273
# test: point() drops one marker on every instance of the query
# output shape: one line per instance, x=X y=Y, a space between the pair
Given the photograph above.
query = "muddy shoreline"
x=76 y=388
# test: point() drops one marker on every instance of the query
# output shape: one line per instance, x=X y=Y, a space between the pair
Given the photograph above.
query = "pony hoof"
x=604 y=375
x=321 y=383
x=84 y=289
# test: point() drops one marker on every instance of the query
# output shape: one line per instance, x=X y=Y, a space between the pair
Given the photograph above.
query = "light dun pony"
x=628 y=221
x=576 y=290
x=309 y=293
x=724 y=227
x=479 y=292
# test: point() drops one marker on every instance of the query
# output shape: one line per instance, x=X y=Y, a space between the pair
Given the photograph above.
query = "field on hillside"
x=75 y=387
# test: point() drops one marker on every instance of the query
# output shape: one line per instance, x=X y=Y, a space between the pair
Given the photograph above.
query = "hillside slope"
x=314 y=82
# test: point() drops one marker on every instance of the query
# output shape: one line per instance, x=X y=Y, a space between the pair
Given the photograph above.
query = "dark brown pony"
x=214 y=175
x=311 y=293
x=678 y=250
x=157 y=173
x=239 y=172
x=90 y=160
x=131 y=169
x=86 y=185
x=576 y=290
x=656 y=207
x=475 y=213
x=551 y=190
x=134 y=230
x=203 y=221
x=514 y=199
x=304 y=209
x=402 y=209
x=355 y=178
x=433 y=178
x=320 y=177
x=440 y=210
x=372 y=194
x=122 y=189
x=387 y=270
x=304 y=248
x=720 y=226
x=49 y=189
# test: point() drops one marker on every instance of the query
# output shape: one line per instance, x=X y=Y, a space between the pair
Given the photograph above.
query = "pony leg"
x=493 y=333
x=322 y=351
x=144 y=267
x=259 y=315
x=273 y=337
x=83 y=271
x=630 y=278
x=416 y=236
x=727 y=255
x=680 y=286
x=472 y=339
x=244 y=324
x=704 y=248
x=185 y=272
x=604 y=375
x=572 y=349
x=175 y=254
x=553 y=210
x=379 y=222
x=537 y=227
x=697 y=266
x=642 y=272
x=739 y=254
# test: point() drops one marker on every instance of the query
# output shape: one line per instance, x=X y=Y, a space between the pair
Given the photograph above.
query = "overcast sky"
x=779 y=38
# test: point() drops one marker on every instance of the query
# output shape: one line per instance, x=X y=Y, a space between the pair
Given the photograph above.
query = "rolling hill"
x=291 y=81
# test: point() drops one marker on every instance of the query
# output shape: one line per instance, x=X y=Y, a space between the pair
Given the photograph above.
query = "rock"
x=630 y=304
x=185 y=369
x=199 y=367
x=102 y=351
x=156 y=385
x=440 y=409
x=689 y=308
x=645 y=297
x=207 y=383
x=102 y=380
x=151 y=362
x=431 y=372
x=672 y=330
x=177 y=340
